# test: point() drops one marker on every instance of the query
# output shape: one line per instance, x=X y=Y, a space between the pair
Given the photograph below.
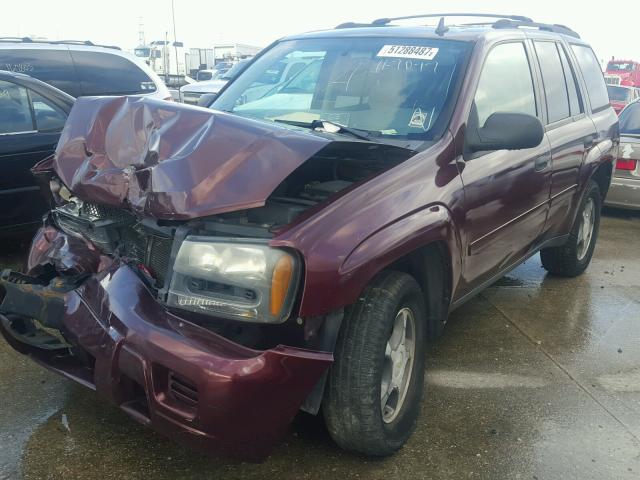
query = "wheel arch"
x=426 y=245
x=602 y=176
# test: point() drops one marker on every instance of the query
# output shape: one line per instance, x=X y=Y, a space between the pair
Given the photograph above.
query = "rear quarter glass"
x=102 y=73
x=52 y=66
x=593 y=76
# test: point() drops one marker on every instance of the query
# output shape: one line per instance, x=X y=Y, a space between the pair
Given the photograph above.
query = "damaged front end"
x=154 y=280
x=108 y=332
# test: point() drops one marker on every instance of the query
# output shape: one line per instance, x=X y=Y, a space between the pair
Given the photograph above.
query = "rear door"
x=506 y=191
x=569 y=130
x=30 y=127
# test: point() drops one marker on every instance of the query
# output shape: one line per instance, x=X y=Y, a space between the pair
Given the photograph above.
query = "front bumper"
x=624 y=193
x=181 y=379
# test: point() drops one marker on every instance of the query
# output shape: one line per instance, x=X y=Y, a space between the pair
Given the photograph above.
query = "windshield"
x=142 y=52
x=204 y=75
x=630 y=119
x=400 y=88
x=618 y=94
x=620 y=67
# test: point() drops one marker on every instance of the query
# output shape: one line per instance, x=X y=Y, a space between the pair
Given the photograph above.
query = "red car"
x=212 y=272
x=621 y=96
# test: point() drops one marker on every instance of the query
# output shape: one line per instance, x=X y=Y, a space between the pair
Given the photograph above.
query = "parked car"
x=81 y=68
x=621 y=96
x=203 y=93
x=206 y=75
x=214 y=271
x=32 y=115
x=625 y=186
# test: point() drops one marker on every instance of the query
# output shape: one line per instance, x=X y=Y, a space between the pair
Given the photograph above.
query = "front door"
x=506 y=192
x=29 y=131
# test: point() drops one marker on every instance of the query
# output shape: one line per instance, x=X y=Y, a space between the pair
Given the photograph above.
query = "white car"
x=82 y=68
x=203 y=93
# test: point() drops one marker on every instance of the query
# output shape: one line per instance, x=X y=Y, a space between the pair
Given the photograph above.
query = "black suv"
x=32 y=114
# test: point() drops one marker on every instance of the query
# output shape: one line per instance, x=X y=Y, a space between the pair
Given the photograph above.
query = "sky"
x=205 y=23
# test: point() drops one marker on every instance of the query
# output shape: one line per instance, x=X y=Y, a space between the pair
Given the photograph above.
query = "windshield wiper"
x=330 y=127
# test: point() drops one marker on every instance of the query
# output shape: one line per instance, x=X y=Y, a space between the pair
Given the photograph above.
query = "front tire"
x=375 y=385
x=572 y=258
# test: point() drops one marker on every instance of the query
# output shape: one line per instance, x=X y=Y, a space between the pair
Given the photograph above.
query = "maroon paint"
x=246 y=398
x=171 y=161
x=489 y=213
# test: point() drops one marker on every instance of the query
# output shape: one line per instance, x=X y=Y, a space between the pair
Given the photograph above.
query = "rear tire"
x=371 y=349
x=572 y=258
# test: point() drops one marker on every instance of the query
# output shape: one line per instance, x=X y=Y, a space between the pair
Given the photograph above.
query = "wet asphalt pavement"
x=538 y=377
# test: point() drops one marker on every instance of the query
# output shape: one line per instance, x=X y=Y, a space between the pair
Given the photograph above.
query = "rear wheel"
x=572 y=258
x=374 y=389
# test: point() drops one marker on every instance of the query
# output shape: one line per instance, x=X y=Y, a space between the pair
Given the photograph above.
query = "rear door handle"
x=542 y=162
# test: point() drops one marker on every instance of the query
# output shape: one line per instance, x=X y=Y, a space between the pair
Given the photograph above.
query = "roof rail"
x=504 y=21
x=15 y=39
x=356 y=25
x=385 y=21
x=547 y=27
x=55 y=42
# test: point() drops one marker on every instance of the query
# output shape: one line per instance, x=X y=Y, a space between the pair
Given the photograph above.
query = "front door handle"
x=542 y=162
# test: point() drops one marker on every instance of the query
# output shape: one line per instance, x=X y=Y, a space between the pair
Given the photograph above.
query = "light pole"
x=175 y=38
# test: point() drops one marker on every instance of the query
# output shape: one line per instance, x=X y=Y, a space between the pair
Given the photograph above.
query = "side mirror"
x=506 y=131
x=206 y=99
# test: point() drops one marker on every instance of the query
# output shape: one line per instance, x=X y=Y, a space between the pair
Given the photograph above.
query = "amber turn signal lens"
x=282 y=273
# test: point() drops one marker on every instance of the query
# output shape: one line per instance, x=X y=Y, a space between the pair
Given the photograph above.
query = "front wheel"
x=572 y=258
x=374 y=389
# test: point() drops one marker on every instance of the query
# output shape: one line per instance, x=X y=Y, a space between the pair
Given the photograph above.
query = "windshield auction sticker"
x=408 y=51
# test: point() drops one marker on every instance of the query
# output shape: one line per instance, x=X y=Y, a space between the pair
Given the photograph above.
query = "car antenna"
x=441 y=29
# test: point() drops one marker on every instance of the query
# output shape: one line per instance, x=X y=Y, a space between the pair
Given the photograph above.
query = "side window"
x=505 y=83
x=110 y=74
x=593 y=76
x=555 y=87
x=575 y=100
x=50 y=65
x=14 y=105
x=49 y=118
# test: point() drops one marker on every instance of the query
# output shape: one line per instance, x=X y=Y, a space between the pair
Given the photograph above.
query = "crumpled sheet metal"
x=172 y=161
x=67 y=254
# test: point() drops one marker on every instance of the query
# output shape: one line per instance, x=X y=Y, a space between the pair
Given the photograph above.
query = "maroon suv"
x=212 y=272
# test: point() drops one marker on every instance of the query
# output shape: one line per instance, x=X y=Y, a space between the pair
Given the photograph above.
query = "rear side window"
x=593 y=76
x=505 y=83
x=555 y=87
x=14 y=105
x=49 y=65
x=107 y=74
x=575 y=101
x=49 y=118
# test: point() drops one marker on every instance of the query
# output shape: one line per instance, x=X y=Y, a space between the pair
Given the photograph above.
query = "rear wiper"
x=329 y=126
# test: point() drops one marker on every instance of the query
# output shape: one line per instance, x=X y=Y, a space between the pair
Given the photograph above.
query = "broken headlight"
x=237 y=280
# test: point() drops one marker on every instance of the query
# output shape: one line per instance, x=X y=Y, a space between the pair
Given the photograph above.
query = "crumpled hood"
x=171 y=161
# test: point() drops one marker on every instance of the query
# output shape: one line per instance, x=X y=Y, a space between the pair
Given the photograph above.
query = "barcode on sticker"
x=408 y=51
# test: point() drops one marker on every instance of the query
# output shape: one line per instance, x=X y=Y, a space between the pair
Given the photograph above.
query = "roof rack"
x=386 y=21
x=55 y=42
x=547 y=27
x=503 y=21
